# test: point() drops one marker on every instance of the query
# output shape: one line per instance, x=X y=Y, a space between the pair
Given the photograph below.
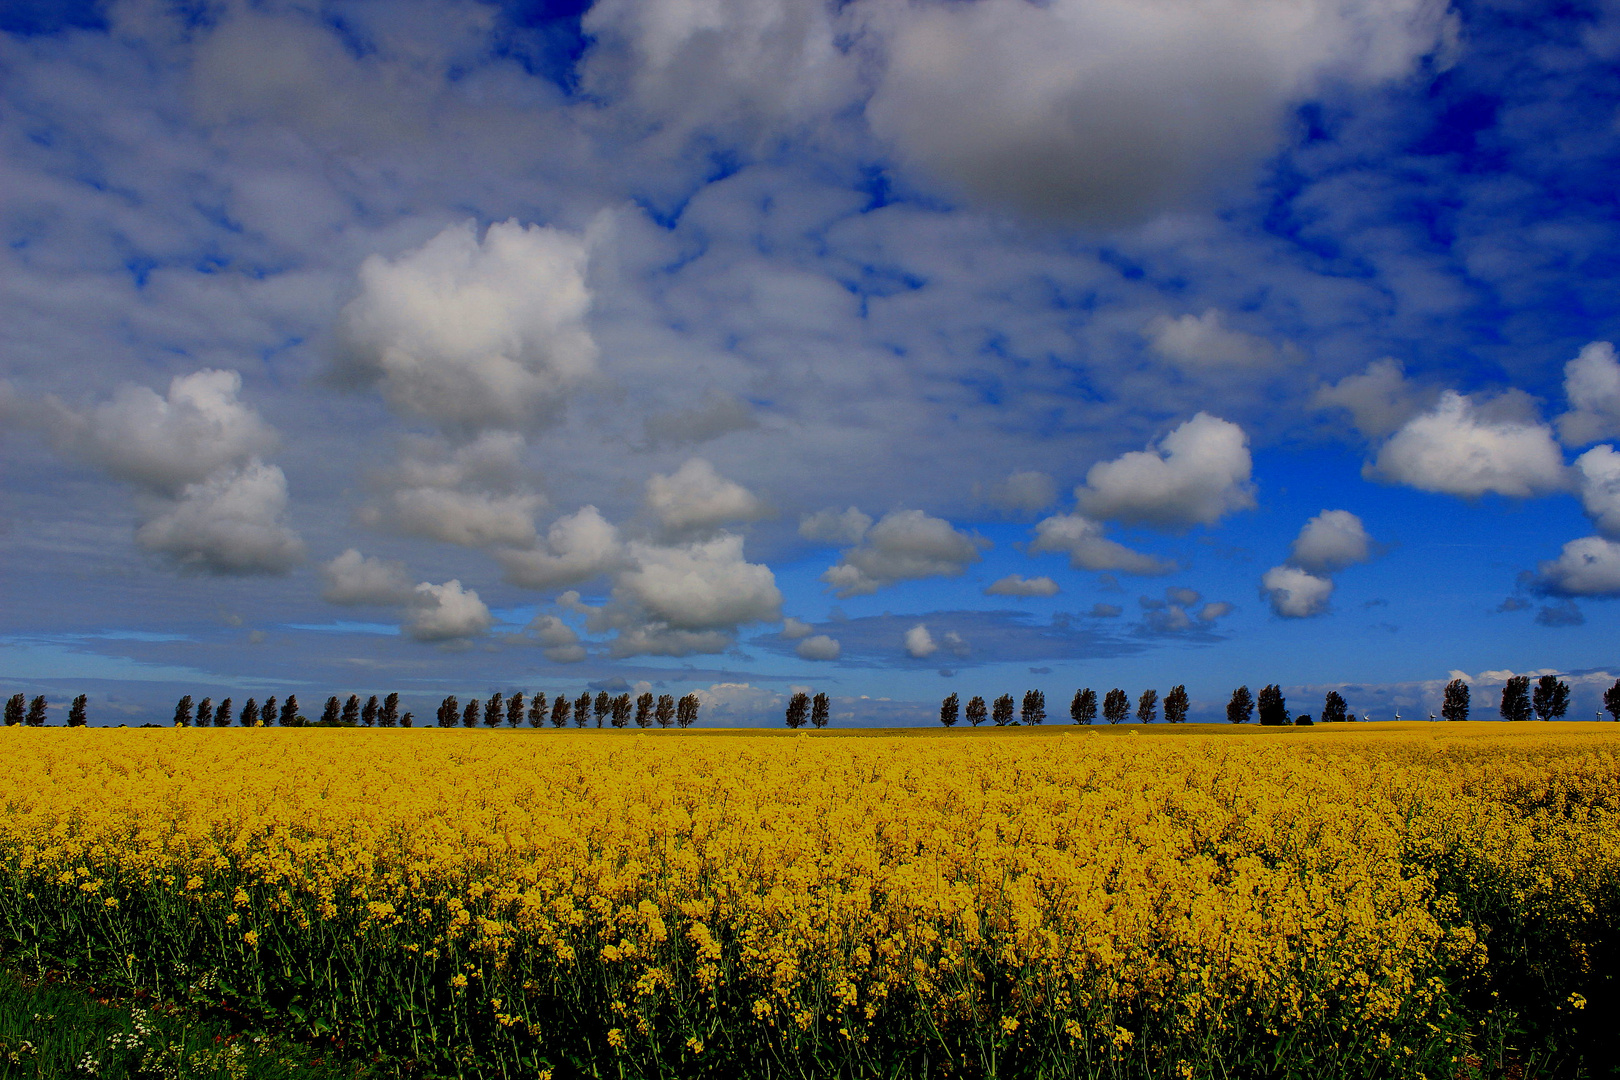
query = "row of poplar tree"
x=618 y=711
x=1549 y=700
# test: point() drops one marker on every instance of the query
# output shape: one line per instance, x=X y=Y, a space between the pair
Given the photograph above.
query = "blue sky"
x=891 y=348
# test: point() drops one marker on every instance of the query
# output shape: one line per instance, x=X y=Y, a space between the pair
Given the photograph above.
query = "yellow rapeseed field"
x=1353 y=901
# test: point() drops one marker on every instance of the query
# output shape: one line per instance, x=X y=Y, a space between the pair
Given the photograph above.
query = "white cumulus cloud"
x=904 y=546
x=1599 y=471
x=835 y=526
x=474 y=333
x=1015 y=585
x=558 y=641
x=1589 y=566
x=576 y=548
x=697 y=497
x=920 y=643
x=1197 y=475
x=1379 y=400
x=1592 y=385
x=353 y=578
x=233 y=522
x=792 y=628
x=165 y=443
x=819 y=647
x=1082 y=540
x=446 y=613
x=1196 y=342
x=1456 y=449
x=1294 y=593
x=1330 y=541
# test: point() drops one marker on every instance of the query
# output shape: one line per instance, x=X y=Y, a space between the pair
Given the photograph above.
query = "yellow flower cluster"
x=1032 y=903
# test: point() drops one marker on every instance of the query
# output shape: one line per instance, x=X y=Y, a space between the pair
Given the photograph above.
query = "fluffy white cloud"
x=1294 y=593
x=352 y=578
x=1215 y=609
x=1027 y=491
x=1599 y=470
x=1592 y=385
x=1014 y=585
x=1082 y=540
x=446 y=613
x=164 y=443
x=558 y=641
x=793 y=629
x=920 y=643
x=475 y=333
x=1108 y=109
x=819 y=647
x=698 y=498
x=1589 y=566
x=1456 y=449
x=904 y=546
x=1330 y=541
x=577 y=547
x=1379 y=400
x=233 y=522
x=835 y=526
x=1197 y=475
x=703 y=585
x=1202 y=342
x=468 y=518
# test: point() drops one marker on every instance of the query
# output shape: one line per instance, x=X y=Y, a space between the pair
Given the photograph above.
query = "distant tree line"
x=618 y=711
x=1549 y=700
x=19 y=710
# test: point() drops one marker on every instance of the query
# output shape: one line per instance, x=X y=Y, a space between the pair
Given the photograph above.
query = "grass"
x=55 y=1028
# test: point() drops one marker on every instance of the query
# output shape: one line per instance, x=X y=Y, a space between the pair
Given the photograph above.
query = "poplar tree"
x=36 y=712
x=820 y=711
x=1083 y=709
x=537 y=710
x=469 y=715
x=1455 y=707
x=560 y=708
x=976 y=711
x=948 y=710
x=644 y=708
x=205 y=712
x=267 y=711
x=1334 y=710
x=665 y=713
x=408 y=719
x=603 y=705
x=351 y=711
x=514 y=709
x=1116 y=706
x=388 y=716
x=494 y=710
x=620 y=710
x=250 y=714
x=16 y=708
x=1034 y=709
x=76 y=711
x=1551 y=698
x=1611 y=700
x=329 y=715
x=368 y=711
x=1001 y=712
x=182 y=712
x=582 y=709
x=686 y=712
x=798 y=709
x=449 y=711
x=1273 y=706
x=222 y=714
x=1240 y=707
x=1147 y=707
x=1516 y=698
x=1175 y=705
x=289 y=712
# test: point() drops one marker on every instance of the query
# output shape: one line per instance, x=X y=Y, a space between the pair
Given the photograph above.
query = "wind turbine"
x=1431 y=716
x=1397 y=714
